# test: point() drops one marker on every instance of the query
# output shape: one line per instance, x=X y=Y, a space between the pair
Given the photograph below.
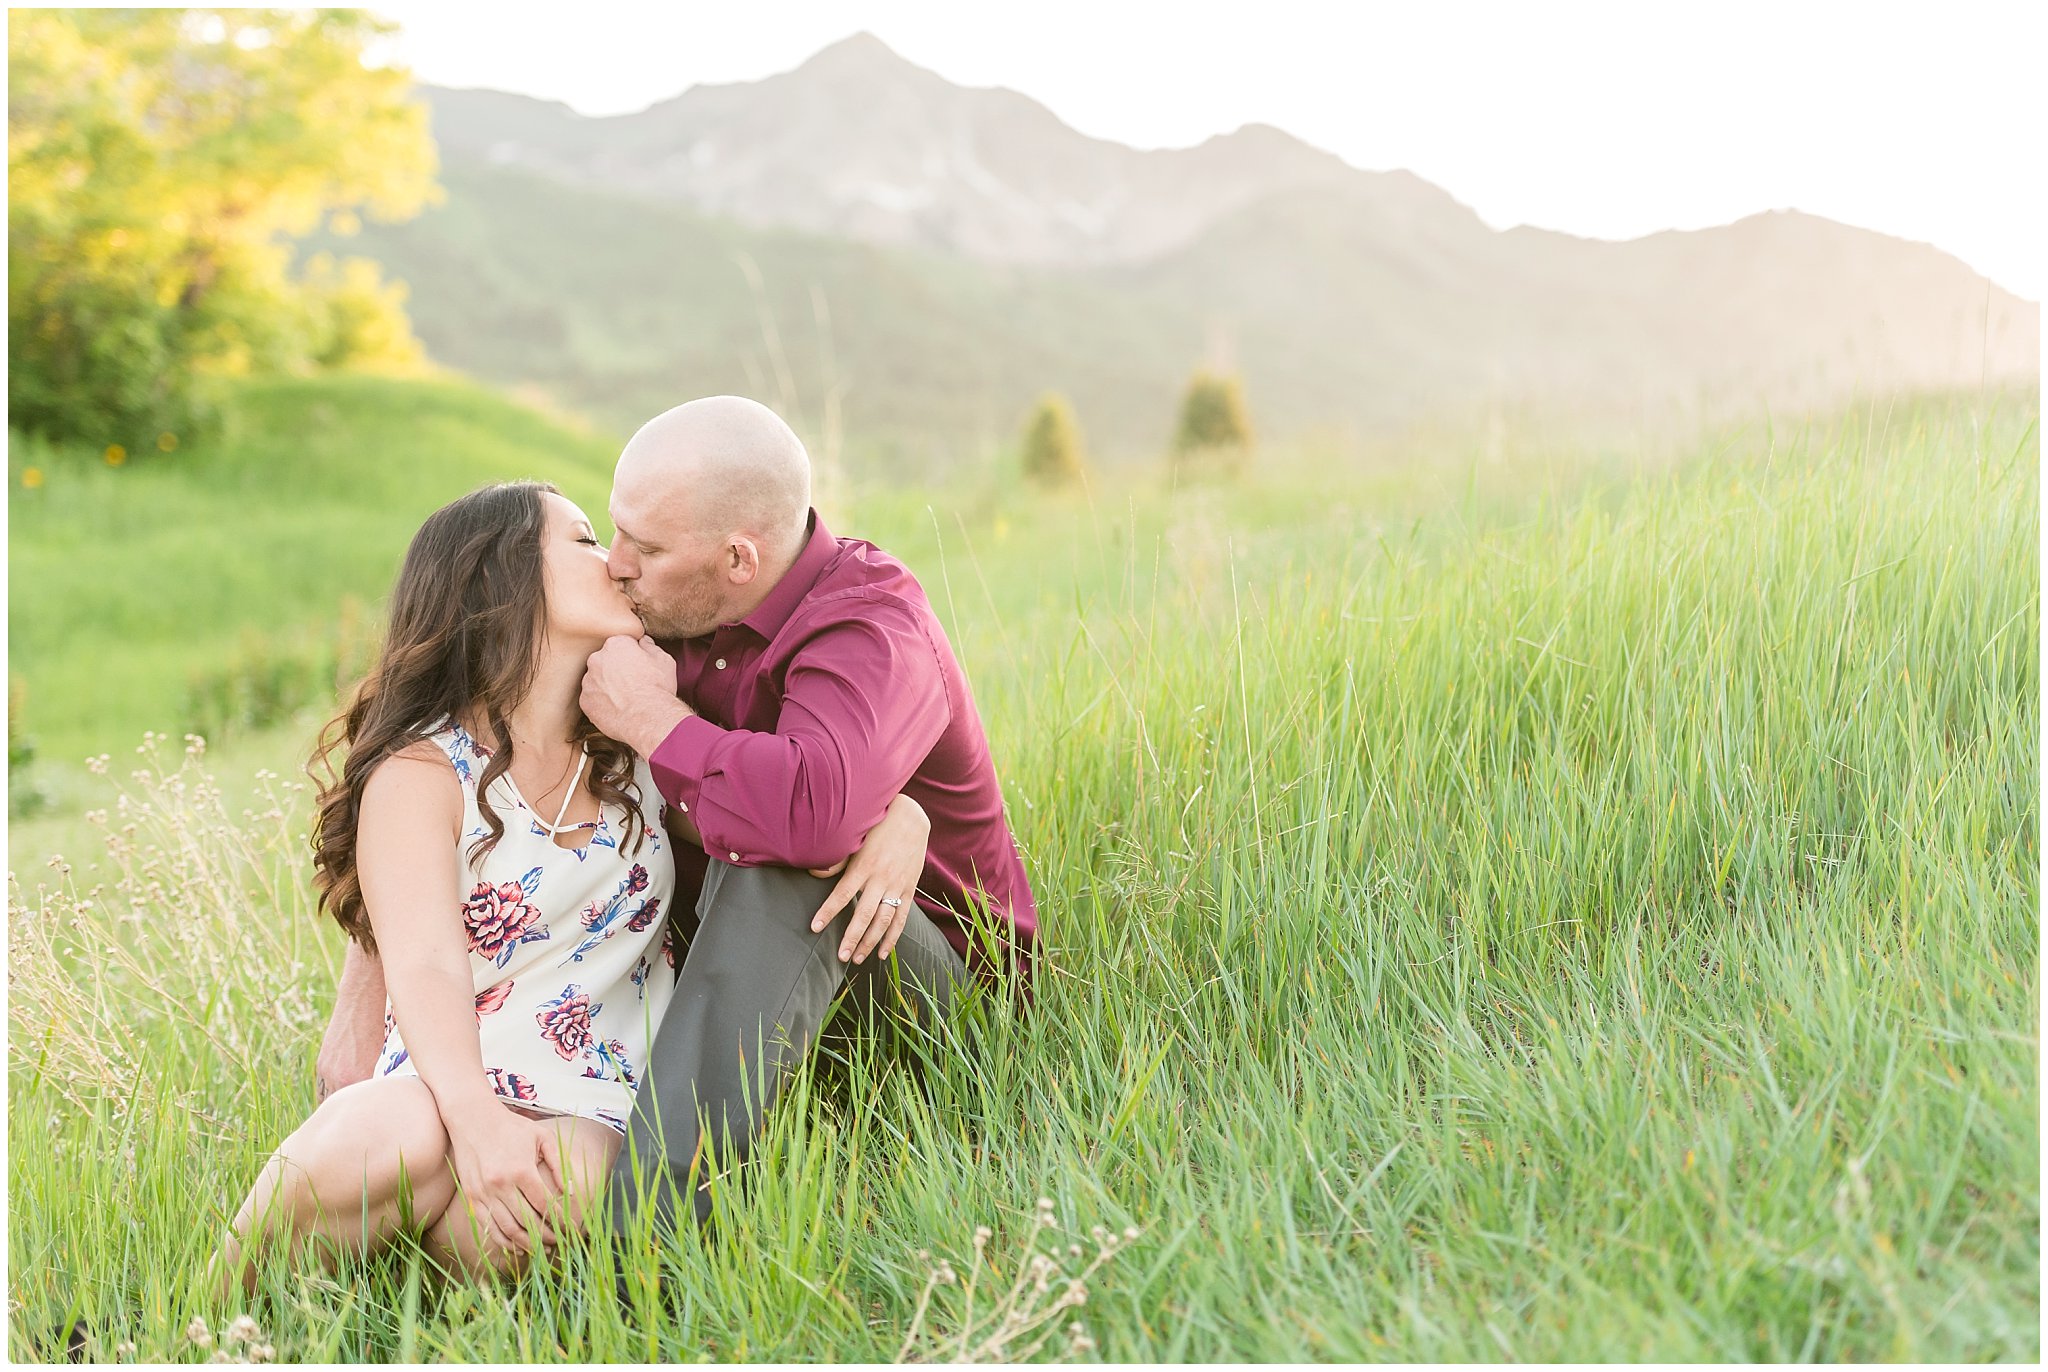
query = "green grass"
x=1557 y=916
x=125 y=581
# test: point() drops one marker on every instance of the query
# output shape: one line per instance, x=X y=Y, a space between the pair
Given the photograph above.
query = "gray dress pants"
x=754 y=985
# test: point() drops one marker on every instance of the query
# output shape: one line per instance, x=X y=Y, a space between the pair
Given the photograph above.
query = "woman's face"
x=584 y=604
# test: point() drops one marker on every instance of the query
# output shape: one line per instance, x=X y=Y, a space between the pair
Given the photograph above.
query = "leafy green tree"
x=355 y=318
x=1215 y=430
x=1052 y=442
x=159 y=164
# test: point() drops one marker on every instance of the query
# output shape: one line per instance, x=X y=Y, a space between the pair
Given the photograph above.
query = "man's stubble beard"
x=691 y=614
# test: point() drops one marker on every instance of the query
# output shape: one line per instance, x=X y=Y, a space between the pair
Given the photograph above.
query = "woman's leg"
x=461 y=1242
x=371 y=1160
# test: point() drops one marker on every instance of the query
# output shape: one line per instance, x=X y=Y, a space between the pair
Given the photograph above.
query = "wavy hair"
x=468 y=622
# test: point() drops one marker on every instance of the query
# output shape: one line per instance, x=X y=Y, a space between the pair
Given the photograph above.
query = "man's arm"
x=864 y=701
x=355 y=1031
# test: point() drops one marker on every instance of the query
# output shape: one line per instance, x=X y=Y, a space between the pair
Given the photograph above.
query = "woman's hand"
x=508 y=1167
x=887 y=866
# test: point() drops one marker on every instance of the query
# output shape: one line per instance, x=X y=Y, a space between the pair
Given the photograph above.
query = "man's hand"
x=629 y=693
x=355 y=1031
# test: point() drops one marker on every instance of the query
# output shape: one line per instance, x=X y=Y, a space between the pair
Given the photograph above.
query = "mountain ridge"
x=934 y=256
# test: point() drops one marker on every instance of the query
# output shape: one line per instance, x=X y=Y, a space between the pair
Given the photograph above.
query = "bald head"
x=711 y=503
x=717 y=466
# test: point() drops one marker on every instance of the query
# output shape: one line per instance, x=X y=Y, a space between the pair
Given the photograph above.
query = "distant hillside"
x=931 y=257
x=618 y=308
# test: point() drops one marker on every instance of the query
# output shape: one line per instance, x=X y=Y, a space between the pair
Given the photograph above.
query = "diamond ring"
x=892 y=900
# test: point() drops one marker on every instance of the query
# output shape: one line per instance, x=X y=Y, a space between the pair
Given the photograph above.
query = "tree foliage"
x=1052 y=442
x=160 y=162
x=1215 y=430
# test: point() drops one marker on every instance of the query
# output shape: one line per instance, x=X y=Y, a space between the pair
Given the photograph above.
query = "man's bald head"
x=711 y=502
x=718 y=466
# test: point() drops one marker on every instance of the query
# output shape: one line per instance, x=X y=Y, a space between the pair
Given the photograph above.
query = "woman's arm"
x=887 y=866
x=676 y=820
x=409 y=859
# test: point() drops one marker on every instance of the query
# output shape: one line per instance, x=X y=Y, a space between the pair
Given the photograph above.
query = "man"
x=810 y=683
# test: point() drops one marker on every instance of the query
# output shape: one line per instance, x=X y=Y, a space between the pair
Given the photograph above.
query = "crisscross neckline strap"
x=557 y=827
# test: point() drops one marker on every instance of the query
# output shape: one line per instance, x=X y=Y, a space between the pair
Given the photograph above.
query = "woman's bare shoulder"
x=416 y=779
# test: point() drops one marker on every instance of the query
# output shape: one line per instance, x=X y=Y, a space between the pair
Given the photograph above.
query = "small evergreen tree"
x=1215 y=432
x=1052 y=442
x=25 y=796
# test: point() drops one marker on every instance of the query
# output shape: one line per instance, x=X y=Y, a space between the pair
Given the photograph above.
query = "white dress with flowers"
x=569 y=949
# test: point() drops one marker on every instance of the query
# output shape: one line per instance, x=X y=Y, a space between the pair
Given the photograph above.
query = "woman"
x=510 y=866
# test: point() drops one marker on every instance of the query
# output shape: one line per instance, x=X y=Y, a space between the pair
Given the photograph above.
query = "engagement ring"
x=892 y=900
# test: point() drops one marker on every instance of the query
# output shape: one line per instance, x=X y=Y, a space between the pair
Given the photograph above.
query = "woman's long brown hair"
x=468 y=621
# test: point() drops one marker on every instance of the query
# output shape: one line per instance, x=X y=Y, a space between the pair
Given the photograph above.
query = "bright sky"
x=1607 y=120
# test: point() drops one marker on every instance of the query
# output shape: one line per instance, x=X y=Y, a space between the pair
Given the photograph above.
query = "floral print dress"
x=569 y=949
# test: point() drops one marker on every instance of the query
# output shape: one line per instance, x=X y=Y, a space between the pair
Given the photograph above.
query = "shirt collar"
x=774 y=612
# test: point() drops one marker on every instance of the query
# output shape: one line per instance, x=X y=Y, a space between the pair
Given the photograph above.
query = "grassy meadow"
x=1528 y=906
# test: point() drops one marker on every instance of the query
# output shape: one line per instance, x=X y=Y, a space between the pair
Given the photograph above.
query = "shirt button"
x=684 y=808
x=734 y=856
x=720 y=664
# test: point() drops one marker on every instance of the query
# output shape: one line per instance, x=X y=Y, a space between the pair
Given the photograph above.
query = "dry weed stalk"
x=187 y=970
x=1029 y=1309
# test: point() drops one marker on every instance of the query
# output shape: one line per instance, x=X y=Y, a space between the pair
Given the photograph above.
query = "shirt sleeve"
x=864 y=701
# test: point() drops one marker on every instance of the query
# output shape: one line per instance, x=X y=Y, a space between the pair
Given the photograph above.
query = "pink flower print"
x=612 y=1064
x=510 y=1084
x=668 y=950
x=616 y=1051
x=493 y=1000
x=636 y=880
x=645 y=915
x=565 y=1022
x=499 y=920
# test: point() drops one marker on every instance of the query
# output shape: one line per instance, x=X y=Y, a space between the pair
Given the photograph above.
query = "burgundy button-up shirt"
x=839 y=691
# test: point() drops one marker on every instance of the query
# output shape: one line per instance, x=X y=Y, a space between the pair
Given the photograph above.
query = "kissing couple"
x=613 y=830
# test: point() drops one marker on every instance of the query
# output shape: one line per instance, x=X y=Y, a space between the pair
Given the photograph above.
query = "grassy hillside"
x=231 y=582
x=1595 y=925
x=126 y=581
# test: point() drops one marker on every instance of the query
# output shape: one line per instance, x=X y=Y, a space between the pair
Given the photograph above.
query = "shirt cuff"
x=679 y=763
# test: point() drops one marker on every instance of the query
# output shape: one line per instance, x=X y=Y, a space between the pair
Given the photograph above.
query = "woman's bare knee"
x=374 y=1154
x=588 y=1150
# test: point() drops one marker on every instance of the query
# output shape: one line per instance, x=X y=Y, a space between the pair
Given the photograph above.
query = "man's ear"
x=745 y=561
